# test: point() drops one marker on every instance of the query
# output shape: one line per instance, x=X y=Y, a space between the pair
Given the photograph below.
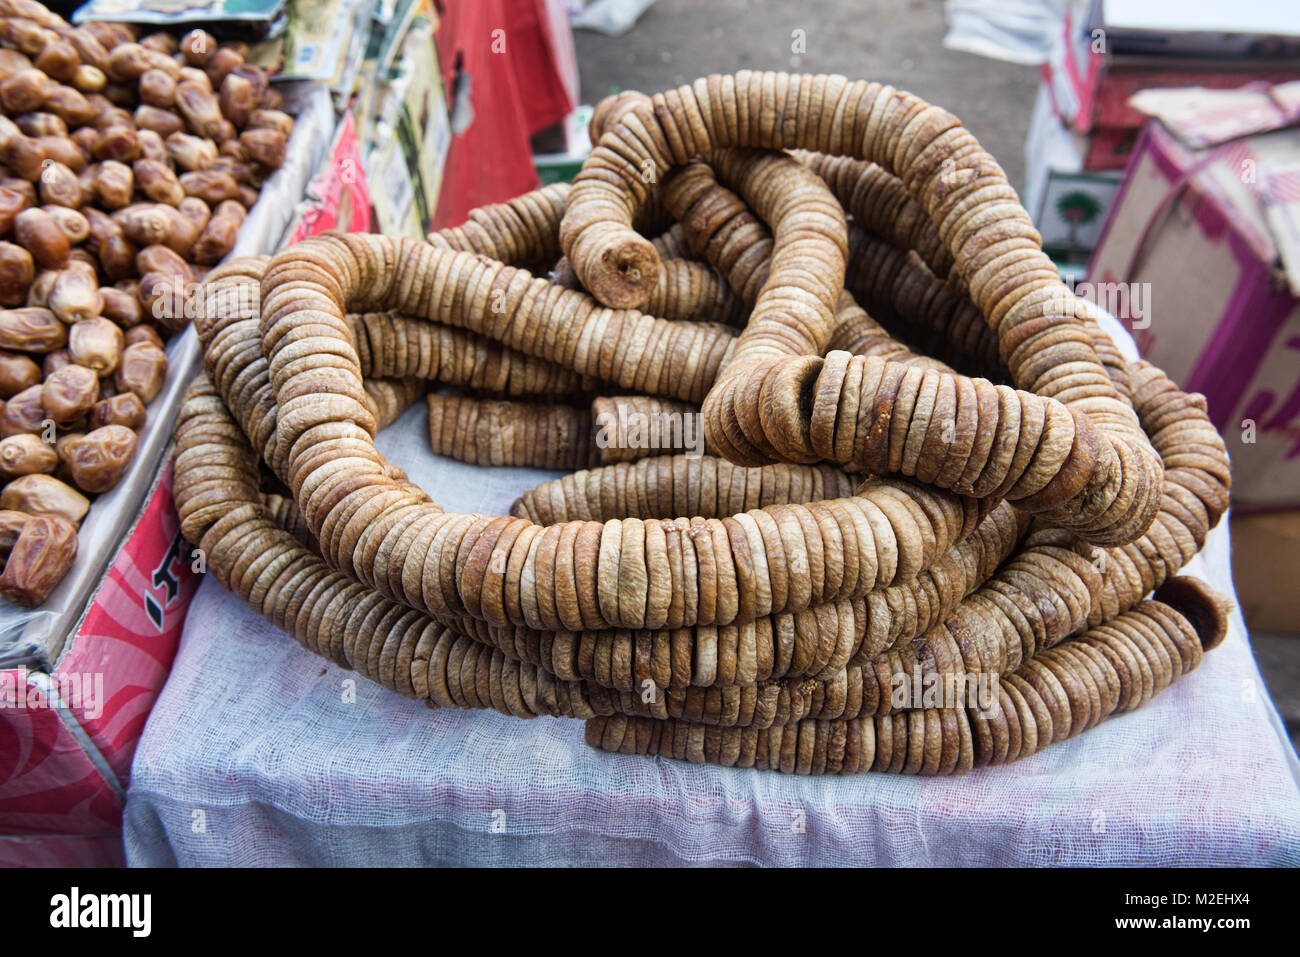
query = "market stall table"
x=260 y=753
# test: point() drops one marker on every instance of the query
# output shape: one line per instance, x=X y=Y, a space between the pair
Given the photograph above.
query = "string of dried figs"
x=794 y=598
x=585 y=705
x=525 y=232
x=719 y=226
x=1125 y=663
x=127 y=163
x=1053 y=586
x=1096 y=473
x=230 y=327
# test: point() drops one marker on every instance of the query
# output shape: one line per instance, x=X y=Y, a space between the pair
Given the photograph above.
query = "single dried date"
x=31 y=330
x=99 y=459
x=39 y=560
x=45 y=495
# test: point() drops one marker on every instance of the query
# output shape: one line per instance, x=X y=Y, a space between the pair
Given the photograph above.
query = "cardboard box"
x=1073 y=211
x=1109 y=148
x=1200 y=234
x=1100 y=93
x=1111 y=51
x=1067 y=203
x=1199 y=27
x=68 y=734
x=411 y=136
x=1265 y=555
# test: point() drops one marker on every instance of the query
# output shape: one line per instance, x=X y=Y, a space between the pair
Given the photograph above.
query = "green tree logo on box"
x=1076 y=209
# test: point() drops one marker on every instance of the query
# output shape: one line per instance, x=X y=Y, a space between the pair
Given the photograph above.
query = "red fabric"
x=514 y=93
x=537 y=75
x=48 y=784
x=63 y=850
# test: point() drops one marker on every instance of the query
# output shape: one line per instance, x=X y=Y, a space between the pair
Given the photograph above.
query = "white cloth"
x=1017 y=31
x=253 y=755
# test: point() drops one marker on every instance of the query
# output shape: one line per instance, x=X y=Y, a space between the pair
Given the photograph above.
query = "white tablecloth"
x=256 y=754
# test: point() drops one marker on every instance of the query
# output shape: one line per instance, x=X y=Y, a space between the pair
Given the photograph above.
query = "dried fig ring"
x=857 y=576
x=311 y=288
x=959 y=186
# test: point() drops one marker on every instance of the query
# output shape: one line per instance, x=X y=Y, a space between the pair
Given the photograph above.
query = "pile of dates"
x=127 y=166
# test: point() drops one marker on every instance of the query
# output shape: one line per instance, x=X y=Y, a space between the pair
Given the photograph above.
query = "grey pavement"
x=900 y=43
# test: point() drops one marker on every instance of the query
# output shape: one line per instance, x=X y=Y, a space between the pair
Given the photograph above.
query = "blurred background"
x=900 y=43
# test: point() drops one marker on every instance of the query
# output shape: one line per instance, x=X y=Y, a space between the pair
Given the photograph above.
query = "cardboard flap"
x=1247 y=142
x=1202 y=117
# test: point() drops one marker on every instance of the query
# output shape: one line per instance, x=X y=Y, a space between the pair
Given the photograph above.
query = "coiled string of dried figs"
x=1095 y=472
x=1115 y=667
x=773 y=626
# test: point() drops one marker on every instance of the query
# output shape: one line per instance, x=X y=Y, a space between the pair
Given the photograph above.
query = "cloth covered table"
x=261 y=753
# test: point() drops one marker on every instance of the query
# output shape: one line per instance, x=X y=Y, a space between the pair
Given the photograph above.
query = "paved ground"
x=1279 y=661
x=898 y=42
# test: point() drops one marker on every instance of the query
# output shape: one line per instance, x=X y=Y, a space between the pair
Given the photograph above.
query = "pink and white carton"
x=67 y=735
x=1207 y=235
